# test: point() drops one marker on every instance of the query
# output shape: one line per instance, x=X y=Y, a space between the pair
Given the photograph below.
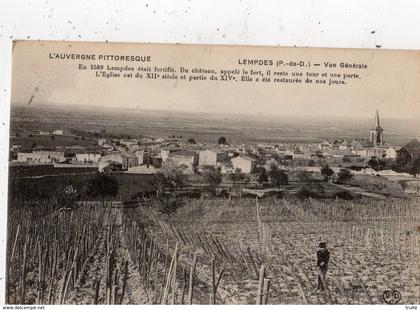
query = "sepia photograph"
x=212 y=174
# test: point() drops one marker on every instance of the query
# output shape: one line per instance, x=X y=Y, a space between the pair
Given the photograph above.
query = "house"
x=325 y=145
x=185 y=159
x=106 y=166
x=58 y=132
x=356 y=145
x=129 y=161
x=360 y=144
x=125 y=160
x=164 y=154
x=106 y=160
x=140 y=156
x=391 y=152
x=245 y=163
x=147 y=140
x=336 y=144
x=129 y=142
x=87 y=157
x=41 y=157
x=370 y=152
x=345 y=145
x=101 y=141
x=298 y=154
x=211 y=157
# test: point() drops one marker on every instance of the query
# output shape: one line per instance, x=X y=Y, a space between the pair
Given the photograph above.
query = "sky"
x=390 y=83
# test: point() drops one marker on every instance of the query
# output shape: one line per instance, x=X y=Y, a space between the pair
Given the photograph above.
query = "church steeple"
x=376 y=123
x=376 y=133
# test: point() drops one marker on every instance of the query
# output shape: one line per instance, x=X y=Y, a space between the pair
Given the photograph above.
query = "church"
x=376 y=132
x=375 y=147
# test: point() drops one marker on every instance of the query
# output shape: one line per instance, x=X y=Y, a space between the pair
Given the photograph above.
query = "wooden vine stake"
x=215 y=283
x=169 y=277
x=260 y=285
x=191 y=281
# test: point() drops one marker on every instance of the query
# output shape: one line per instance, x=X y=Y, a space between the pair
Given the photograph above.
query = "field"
x=28 y=141
x=204 y=127
x=217 y=251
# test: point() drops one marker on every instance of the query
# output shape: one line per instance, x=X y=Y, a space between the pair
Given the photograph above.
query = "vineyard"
x=213 y=251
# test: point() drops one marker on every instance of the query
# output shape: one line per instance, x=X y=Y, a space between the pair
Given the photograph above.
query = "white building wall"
x=42 y=157
x=245 y=165
x=88 y=158
x=208 y=158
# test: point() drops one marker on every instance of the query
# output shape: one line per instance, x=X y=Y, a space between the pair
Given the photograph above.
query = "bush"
x=344 y=176
x=102 y=185
x=222 y=140
x=304 y=176
x=327 y=172
x=169 y=205
x=345 y=195
x=262 y=175
x=278 y=177
x=213 y=177
x=306 y=192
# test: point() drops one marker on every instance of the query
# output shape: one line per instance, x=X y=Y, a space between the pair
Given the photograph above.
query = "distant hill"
x=205 y=127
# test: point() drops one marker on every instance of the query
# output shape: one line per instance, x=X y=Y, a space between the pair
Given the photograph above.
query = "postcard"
x=211 y=174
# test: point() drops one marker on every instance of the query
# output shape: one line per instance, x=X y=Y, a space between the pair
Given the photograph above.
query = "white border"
x=318 y=23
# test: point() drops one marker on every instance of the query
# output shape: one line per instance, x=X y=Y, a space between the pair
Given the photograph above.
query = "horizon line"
x=140 y=110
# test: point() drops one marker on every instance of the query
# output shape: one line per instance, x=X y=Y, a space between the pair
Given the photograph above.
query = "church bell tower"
x=376 y=132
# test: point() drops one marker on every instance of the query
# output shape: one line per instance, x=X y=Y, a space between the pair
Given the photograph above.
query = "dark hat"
x=323 y=245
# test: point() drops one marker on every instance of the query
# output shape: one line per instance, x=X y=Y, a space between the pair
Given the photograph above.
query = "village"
x=369 y=155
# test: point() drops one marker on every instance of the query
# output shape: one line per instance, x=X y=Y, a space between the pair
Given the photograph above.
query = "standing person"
x=323 y=256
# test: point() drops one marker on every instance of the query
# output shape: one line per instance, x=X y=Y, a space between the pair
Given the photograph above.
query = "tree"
x=413 y=147
x=213 y=177
x=102 y=185
x=278 y=177
x=408 y=157
x=327 y=172
x=304 y=176
x=415 y=169
x=238 y=176
x=404 y=185
x=262 y=175
x=373 y=163
x=167 y=182
x=239 y=180
x=311 y=163
x=227 y=163
x=67 y=196
x=191 y=141
x=222 y=140
x=344 y=176
x=404 y=160
x=377 y=164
